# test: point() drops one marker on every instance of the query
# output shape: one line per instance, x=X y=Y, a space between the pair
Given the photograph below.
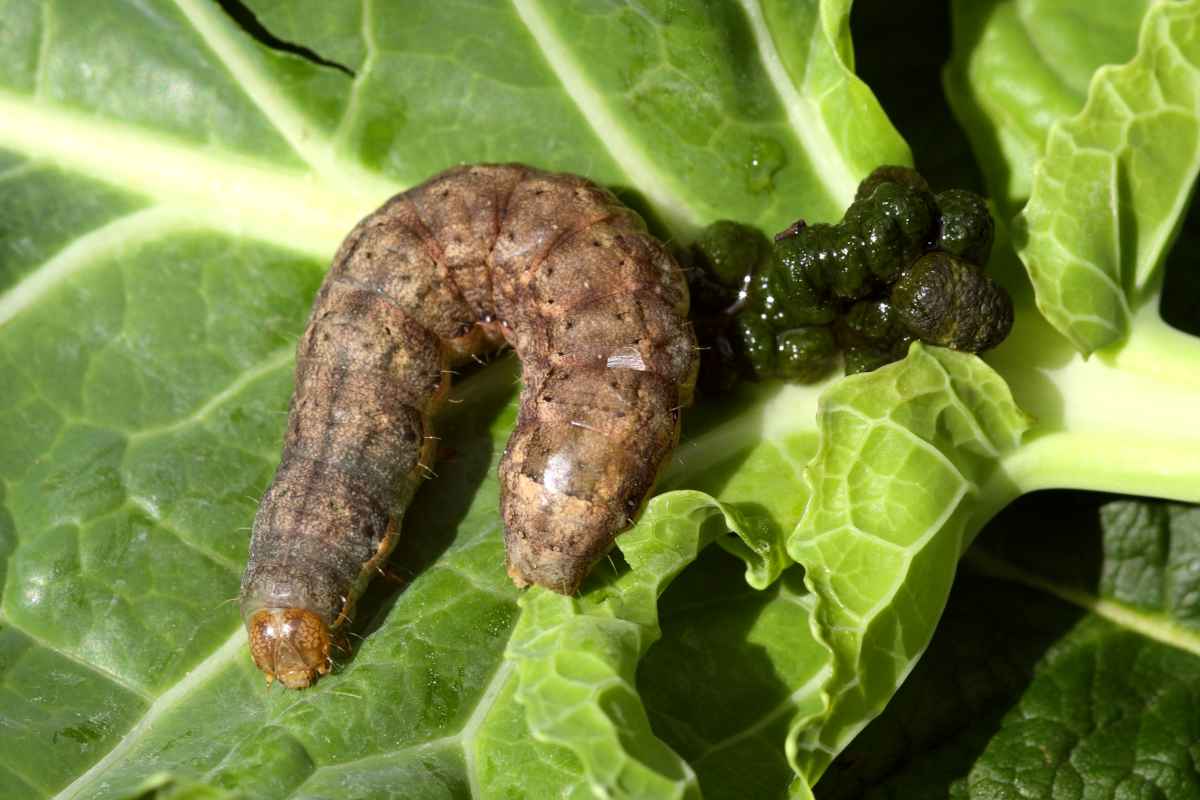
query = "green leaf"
x=1150 y=555
x=165 y=787
x=810 y=60
x=576 y=657
x=170 y=191
x=1019 y=66
x=991 y=640
x=987 y=647
x=1083 y=681
x=1112 y=188
x=1138 y=556
x=732 y=668
x=905 y=454
x=1061 y=739
x=1106 y=155
x=751 y=451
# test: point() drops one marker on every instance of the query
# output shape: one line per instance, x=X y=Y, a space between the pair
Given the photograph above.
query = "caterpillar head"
x=291 y=644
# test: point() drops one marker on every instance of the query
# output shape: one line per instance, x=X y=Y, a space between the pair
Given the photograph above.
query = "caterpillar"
x=476 y=257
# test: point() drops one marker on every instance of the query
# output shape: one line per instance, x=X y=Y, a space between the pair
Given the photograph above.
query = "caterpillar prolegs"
x=476 y=257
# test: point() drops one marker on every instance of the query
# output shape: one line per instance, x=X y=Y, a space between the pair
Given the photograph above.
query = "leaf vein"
x=232 y=649
x=630 y=156
x=274 y=361
x=1158 y=627
x=103 y=242
x=125 y=683
x=804 y=119
x=365 y=70
x=219 y=189
x=245 y=64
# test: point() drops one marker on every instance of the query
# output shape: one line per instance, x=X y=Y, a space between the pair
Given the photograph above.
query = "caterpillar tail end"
x=291 y=645
x=554 y=571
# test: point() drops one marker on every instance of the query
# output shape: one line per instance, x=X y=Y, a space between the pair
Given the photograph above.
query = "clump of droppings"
x=903 y=264
x=950 y=302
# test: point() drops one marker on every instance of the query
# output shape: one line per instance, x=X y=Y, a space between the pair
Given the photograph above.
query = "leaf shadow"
x=1180 y=297
x=988 y=646
x=435 y=519
x=714 y=693
x=636 y=199
x=908 y=84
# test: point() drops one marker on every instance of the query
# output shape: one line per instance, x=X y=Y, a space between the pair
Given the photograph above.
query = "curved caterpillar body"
x=595 y=308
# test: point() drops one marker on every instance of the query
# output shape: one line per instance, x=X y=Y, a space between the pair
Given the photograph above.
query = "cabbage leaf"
x=174 y=177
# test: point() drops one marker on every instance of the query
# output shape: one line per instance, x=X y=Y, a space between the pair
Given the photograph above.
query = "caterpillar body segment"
x=476 y=257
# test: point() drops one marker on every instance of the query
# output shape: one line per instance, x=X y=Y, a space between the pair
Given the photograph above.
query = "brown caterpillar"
x=595 y=308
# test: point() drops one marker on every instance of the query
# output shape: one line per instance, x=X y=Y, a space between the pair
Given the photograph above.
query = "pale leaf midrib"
x=242 y=57
x=233 y=648
x=659 y=187
x=217 y=32
x=219 y=189
x=102 y=243
x=804 y=120
x=1159 y=627
x=364 y=74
